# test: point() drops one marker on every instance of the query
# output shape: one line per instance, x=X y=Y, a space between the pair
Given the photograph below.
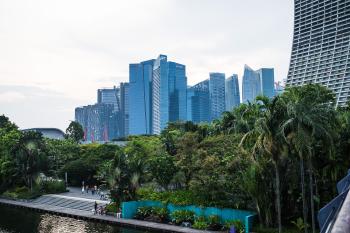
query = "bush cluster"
x=153 y=214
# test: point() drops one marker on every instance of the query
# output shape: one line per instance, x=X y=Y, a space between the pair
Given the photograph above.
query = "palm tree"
x=309 y=113
x=267 y=133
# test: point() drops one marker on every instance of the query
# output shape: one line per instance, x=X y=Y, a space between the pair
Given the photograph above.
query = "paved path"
x=78 y=207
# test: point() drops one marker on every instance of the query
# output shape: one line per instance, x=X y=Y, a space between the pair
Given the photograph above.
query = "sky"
x=54 y=55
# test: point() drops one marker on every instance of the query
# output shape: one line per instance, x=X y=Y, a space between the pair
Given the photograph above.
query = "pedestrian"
x=82 y=190
x=87 y=188
x=92 y=190
x=95 y=207
x=119 y=214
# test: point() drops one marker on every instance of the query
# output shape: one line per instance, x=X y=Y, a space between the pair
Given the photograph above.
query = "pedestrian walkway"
x=75 y=205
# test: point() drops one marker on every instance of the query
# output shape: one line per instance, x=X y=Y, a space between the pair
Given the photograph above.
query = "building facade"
x=216 y=95
x=124 y=104
x=321 y=46
x=198 y=104
x=267 y=81
x=251 y=85
x=140 y=97
x=98 y=122
x=169 y=85
x=232 y=94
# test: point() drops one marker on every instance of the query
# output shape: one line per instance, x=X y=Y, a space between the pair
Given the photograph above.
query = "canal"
x=16 y=220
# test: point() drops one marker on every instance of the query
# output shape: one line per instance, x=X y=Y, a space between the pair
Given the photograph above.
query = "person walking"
x=95 y=207
x=82 y=190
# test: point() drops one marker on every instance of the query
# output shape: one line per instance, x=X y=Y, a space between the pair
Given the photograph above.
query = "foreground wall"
x=129 y=210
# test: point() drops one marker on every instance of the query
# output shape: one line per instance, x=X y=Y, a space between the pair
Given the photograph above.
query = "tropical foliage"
x=280 y=157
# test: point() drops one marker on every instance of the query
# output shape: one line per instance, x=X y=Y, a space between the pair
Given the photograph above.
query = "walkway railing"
x=328 y=214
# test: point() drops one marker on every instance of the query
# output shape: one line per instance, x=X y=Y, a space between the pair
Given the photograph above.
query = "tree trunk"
x=302 y=177
x=312 y=198
x=278 y=198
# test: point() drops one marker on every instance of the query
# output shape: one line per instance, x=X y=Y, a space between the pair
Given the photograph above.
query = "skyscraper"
x=217 y=95
x=98 y=122
x=109 y=96
x=198 y=104
x=140 y=97
x=169 y=93
x=232 y=95
x=321 y=46
x=124 y=104
x=267 y=81
x=251 y=85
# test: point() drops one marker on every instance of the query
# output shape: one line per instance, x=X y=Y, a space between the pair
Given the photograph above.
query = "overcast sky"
x=54 y=54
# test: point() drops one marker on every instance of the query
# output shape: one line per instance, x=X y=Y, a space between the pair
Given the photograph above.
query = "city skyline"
x=63 y=60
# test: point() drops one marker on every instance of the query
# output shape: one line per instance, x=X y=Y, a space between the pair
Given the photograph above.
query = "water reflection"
x=24 y=221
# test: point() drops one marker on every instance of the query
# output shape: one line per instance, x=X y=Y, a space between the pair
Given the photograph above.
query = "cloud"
x=11 y=97
x=68 y=49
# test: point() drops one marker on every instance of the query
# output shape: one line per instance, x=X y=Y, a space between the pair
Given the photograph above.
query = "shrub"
x=237 y=224
x=53 y=186
x=180 y=216
x=112 y=207
x=200 y=225
x=22 y=193
x=214 y=223
x=154 y=214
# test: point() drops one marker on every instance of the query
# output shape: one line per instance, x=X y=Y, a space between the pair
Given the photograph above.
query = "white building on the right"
x=321 y=46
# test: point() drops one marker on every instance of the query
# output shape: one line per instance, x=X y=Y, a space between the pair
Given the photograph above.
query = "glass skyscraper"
x=124 y=104
x=216 y=95
x=251 y=85
x=109 y=96
x=267 y=81
x=140 y=97
x=98 y=121
x=169 y=85
x=232 y=94
x=321 y=46
x=198 y=105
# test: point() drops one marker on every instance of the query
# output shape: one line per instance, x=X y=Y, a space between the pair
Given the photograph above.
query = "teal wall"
x=129 y=210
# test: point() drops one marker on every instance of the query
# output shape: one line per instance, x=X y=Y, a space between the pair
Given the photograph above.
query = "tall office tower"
x=232 y=95
x=168 y=93
x=140 y=98
x=112 y=96
x=109 y=96
x=278 y=88
x=251 y=85
x=98 y=122
x=216 y=95
x=124 y=104
x=198 y=105
x=321 y=46
x=267 y=81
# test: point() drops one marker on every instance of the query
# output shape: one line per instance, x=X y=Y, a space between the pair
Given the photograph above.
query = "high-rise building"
x=232 y=95
x=321 y=46
x=124 y=104
x=267 y=81
x=140 y=98
x=216 y=95
x=98 y=122
x=251 y=85
x=109 y=96
x=198 y=105
x=168 y=93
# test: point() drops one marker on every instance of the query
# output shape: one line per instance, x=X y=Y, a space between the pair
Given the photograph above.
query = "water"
x=14 y=220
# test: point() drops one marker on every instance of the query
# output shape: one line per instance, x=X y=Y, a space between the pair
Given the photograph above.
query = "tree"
x=310 y=115
x=28 y=155
x=75 y=131
x=162 y=168
x=267 y=135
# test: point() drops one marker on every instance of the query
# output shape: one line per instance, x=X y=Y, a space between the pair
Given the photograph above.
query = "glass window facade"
x=232 y=95
x=321 y=46
x=140 y=98
x=217 y=95
x=251 y=85
x=198 y=105
x=267 y=81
